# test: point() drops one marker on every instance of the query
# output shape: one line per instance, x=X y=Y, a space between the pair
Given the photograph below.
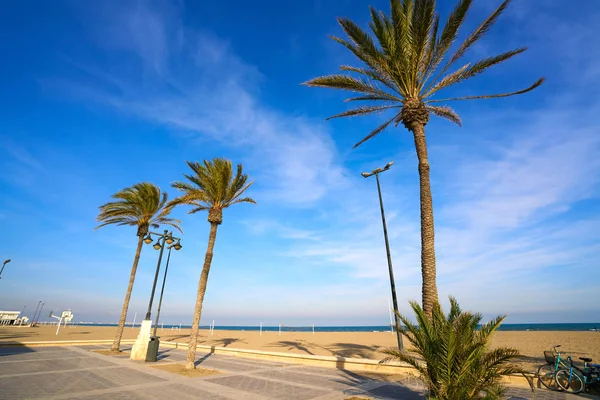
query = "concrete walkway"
x=76 y=373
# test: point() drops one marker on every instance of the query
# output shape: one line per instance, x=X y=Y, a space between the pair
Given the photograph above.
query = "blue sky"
x=97 y=96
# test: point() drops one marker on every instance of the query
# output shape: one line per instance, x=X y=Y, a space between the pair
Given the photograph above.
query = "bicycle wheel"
x=570 y=381
x=546 y=377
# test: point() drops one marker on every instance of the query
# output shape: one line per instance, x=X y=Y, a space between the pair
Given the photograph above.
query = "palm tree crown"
x=142 y=205
x=212 y=187
x=409 y=62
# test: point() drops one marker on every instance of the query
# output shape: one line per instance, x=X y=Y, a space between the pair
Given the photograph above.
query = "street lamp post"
x=177 y=247
x=157 y=246
x=3 y=265
x=376 y=172
x=146 y=346
x=40 y=313
x=35 y=313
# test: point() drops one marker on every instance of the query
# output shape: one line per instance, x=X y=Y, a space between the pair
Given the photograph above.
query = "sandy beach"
x=345 y=344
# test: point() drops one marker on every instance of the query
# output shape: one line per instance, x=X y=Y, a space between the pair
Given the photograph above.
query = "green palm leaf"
x=212 y=186
x=142 y=205
x=451 y=354
x=404 y=53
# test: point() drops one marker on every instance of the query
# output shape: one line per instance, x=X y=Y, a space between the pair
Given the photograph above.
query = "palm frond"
x=492 y=96
x=468 y=71
x=349 y=83
x=477 y=34
x=364 y=110
x=375 y=132
x=445 y=112
x=448 y=36
x=372 y=74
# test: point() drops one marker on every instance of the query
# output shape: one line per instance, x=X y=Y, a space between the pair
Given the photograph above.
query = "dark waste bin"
x=152 y=353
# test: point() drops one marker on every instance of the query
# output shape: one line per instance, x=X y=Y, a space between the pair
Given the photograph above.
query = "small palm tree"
x=451 y=353
x=405 y=65
x=213 y=187
x=143 y=206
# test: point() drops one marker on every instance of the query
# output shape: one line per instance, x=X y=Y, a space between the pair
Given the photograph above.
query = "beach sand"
x=345 y=344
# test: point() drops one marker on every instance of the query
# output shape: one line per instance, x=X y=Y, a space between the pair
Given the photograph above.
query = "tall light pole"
x=35 y=313
x=3 y=265
x=376 y=172
x=177 y=247
x=40 y=313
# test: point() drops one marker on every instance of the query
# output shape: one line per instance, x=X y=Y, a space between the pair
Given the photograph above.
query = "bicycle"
x=576 y=379
x=547 y=373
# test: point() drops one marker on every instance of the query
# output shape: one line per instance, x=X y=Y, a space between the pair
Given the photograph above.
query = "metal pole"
x=5 y=262
x=34 y=314
x=391 y=320
x=162 y=248
x=134 y=318
x=162 y=290
x=40 y=313
x=389 y=260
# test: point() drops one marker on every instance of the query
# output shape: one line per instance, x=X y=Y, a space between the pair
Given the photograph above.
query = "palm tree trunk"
x=117 y=342
x=191 y=354
x=428 y=270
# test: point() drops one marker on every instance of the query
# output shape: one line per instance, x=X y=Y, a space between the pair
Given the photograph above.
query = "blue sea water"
x=382 y=328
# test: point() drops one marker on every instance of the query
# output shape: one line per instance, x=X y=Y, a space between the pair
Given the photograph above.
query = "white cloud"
x=200 y=86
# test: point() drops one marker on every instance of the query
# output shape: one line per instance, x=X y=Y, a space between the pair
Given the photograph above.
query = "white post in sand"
x=134 y=317
x=313 y=329
x=179 y=326
x=279 y=329
x=162 y=325
x=58 y=325
x=212 y=328
x=260 y=329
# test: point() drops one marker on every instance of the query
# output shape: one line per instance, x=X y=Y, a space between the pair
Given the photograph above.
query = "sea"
x=375 y=328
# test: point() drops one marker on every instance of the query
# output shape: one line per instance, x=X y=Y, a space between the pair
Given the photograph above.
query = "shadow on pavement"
x=14 y=348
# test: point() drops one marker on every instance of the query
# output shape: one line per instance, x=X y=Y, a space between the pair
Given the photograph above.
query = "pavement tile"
x=263 y=387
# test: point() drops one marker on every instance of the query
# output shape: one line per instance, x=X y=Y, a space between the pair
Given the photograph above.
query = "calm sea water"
x=503 y=327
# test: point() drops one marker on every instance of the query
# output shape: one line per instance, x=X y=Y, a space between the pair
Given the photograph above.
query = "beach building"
x=9 y=317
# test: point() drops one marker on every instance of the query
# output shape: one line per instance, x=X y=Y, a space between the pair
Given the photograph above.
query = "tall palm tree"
x=404 y=66
x=143 y=206
x=212 y=187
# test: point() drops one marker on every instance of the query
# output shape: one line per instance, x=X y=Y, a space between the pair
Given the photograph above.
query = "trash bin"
x=152 y=353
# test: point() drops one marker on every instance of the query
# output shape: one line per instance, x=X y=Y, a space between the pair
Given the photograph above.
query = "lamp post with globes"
x=163 y=239
x=376 y=172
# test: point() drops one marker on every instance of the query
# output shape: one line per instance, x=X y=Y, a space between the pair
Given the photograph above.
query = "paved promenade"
x=77 y=373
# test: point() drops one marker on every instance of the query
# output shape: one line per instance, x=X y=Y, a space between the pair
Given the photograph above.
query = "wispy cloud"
x=21 y=167
x=198 y=85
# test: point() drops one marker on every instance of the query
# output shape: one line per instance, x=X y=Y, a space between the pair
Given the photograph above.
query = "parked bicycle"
x=576 y=379
x=547 y=373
